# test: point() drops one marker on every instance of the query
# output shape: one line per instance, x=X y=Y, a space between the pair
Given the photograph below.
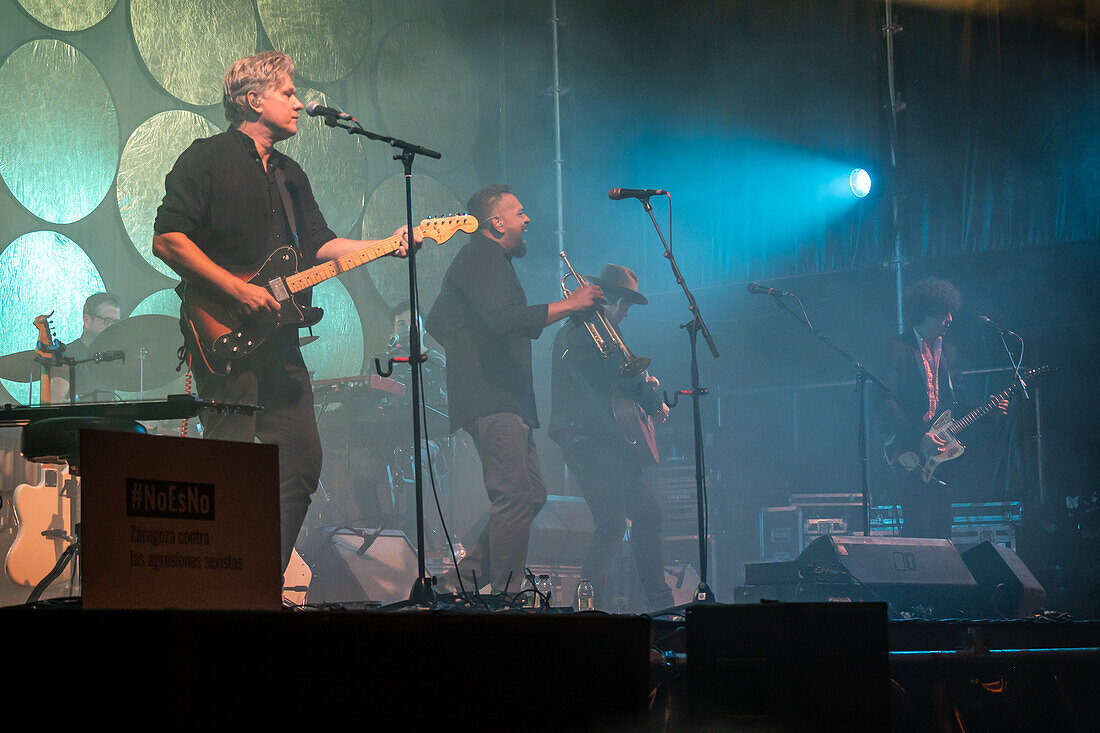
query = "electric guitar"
x=221 y=336
x=947 y=430
x=46 y=347
x=43 y=520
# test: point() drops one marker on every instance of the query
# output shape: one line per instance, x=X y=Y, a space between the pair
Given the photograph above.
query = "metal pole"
x=889 y=29
x=557 y=92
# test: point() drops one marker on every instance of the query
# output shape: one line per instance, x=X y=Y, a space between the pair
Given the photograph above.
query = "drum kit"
x=135 y=355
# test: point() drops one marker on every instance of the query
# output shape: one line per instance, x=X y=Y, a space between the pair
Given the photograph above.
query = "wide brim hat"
x=618 y=281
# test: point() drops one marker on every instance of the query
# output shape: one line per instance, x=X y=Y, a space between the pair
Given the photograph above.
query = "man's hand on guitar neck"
x=403 y=232
x=1000 y=404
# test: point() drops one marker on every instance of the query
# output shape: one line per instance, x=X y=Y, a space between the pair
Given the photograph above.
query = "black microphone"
x=313 y=109
x=993 y=324
x=758 y=289
x=616 y=194
x=109 y=356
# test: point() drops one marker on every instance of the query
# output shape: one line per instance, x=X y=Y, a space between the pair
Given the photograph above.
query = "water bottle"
x=586 y=596
x=545 y=588
x=527 y=594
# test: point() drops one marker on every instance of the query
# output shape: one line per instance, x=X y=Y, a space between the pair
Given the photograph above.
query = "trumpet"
x=603 y=332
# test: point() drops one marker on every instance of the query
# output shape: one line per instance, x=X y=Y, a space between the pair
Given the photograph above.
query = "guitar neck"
x=315 y=275
x=957 y=426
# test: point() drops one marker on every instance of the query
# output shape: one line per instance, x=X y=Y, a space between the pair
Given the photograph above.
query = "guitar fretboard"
x=957 y=426
x=315 y=275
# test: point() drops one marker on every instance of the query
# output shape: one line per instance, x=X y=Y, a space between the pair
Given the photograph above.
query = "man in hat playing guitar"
x=590 y=402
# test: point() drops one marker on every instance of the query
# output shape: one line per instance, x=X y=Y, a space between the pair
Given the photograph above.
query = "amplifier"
x=673 y=485
x=780 y=533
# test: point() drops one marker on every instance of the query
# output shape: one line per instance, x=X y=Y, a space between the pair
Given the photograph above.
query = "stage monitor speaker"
x=1006 y=587
x=351 y=568
x=925 y=575
x=788 y=667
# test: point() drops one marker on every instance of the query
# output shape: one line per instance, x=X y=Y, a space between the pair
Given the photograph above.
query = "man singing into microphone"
x=921 y=379
x=230 y=201
x=485 y=325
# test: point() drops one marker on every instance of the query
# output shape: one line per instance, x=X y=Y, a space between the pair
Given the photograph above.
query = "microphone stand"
x=862 y=375
x=703 y=594
x=422 y=591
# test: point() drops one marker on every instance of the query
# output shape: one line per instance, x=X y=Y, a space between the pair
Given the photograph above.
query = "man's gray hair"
x=257 y=73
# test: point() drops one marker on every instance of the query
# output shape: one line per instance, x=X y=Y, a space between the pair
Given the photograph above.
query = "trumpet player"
x=483 y=321
x=587 y=392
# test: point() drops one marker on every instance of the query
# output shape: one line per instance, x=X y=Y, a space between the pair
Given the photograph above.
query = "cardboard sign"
x=179 y=523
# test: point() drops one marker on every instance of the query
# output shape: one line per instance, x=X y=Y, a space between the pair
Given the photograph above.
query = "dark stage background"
x=750 y=113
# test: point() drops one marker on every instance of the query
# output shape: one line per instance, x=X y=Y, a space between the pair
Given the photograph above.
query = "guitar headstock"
x=1028 y=375
x=47 y=342
x=444 y=227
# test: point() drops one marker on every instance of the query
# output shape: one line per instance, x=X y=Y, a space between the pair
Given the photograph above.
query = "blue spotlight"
x=860 y=182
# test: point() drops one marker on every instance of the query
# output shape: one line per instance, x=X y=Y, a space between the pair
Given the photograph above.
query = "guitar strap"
x=288 y=205
x=305 y=298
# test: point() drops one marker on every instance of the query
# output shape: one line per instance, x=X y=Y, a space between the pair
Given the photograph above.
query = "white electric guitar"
x=947 y=430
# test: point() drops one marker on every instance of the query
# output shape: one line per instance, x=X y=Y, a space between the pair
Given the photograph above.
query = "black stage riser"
x=789 y=667
x=169 y=670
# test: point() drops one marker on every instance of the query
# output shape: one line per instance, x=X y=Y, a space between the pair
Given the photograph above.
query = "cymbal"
x=20 y=367
x=303 y=340
x=154 y=337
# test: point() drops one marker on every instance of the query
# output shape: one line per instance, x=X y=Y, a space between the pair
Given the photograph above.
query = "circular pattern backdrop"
x=59 y=143
x=188 y=46
x=68 y=15
x=326 y=38
x=150 y=153
x=31 y=268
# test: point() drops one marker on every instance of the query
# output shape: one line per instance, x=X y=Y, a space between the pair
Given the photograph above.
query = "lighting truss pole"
x=557 y=91
x=889 y=29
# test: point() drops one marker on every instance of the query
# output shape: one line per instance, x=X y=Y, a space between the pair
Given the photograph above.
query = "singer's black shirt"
x=483 y=321
x=220 y=196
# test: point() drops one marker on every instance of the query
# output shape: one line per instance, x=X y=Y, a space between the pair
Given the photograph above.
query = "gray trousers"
x=513 y=481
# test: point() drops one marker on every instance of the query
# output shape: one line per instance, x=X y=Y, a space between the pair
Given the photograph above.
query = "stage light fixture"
x=860 y=182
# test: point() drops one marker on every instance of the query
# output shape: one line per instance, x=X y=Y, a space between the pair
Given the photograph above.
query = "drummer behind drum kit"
x=137 y=354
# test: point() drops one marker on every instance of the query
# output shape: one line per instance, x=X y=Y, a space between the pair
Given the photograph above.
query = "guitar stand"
x=71 y=553
x=57 y=440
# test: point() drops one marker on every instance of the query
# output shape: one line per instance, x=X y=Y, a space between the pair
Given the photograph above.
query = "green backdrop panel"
x=68 y=15
x=59 y=147
x=334 y=162
x=188 y=45
x=385 y=212
x=148 y=156
x=326 y=38
x=42 y=272
x=338 y=351
x=429 y=95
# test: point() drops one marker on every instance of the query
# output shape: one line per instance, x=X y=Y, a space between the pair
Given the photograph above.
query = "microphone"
x=616 y=194
x=758 y=289
x=109 y=356
x=313 y=109
x=993 y=324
